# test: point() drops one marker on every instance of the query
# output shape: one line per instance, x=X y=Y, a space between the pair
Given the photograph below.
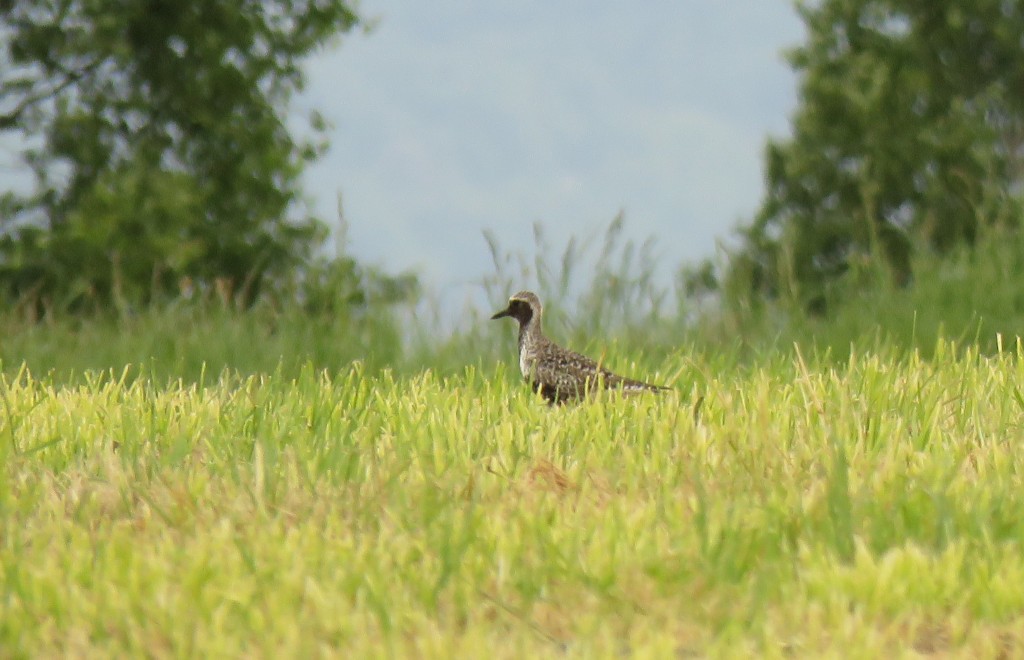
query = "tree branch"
x=10 y=119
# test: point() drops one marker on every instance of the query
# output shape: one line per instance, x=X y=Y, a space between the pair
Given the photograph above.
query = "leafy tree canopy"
x=909 y=132
x=156 y=134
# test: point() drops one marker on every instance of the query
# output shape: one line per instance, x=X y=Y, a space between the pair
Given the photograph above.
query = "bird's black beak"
x=503 y=313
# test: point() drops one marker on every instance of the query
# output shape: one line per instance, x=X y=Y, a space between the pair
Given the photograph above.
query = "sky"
x=452 y=117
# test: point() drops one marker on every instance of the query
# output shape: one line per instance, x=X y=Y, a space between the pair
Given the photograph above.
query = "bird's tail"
x=631 y=385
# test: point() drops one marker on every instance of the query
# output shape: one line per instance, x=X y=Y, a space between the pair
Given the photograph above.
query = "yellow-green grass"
x=787 y=508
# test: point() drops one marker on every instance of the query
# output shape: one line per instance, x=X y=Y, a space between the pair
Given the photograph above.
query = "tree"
x=908 y=134
x=156 y=134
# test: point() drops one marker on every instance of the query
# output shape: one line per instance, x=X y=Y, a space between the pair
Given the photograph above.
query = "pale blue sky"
x=453 y=116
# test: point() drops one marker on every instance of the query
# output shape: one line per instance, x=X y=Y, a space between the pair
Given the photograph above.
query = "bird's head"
x=523 y=307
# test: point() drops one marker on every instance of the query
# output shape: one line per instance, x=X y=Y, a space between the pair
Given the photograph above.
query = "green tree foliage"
x=156 y=134
x=908 y=134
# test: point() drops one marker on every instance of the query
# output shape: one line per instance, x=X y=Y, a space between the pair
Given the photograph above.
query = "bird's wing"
x=564 y=373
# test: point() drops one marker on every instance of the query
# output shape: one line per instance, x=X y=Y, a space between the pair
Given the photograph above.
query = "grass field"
x=788 y=506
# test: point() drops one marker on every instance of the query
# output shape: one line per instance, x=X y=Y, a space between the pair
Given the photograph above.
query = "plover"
x=557 y=373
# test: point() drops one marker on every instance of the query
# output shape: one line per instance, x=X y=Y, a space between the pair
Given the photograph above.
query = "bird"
x=558 y=374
